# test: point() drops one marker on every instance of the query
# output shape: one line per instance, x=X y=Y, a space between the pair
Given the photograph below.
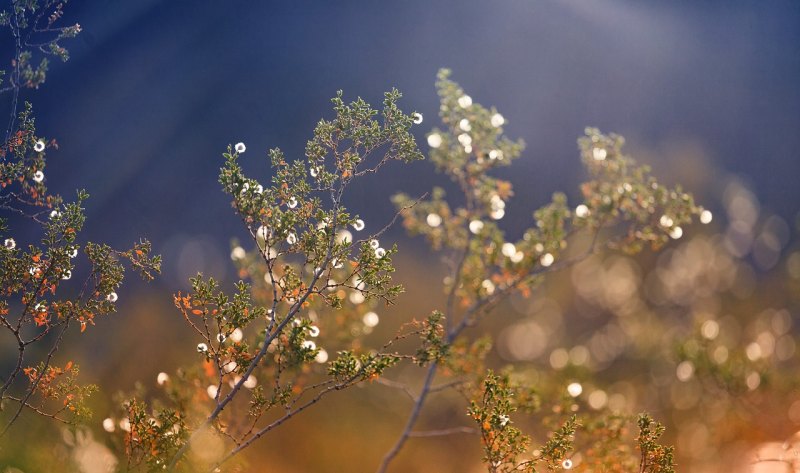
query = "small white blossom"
x=250 y=382
x=322 y=356
x=374 y=244
x=547 y=259
x=292 y=203
x=38 y=146
x=468 y=149
x=504 y=419
x=108 y=424
x=313 y=331
x=582 y=211
x=309 y=345
x=221 y=337
x=240 y=147
x=434 y=220
x=497 y=120
x=125 y=424
x=162 y=378
x=566 y=464
x=706 y=216
x=313 y=172
x=10 y=244
x=202 y=348
x=73 y=253
x=517 y=257
x=343 y=236
x=55 y=214
x=575 y=389
x=464 y=101
x=417 y=117
x=599 y=154
x=496 y=154
x=497 y=214
x=237 y=335
x=238 y=253
x=676 y=233
x=112 y=297
x=665 y=221
x=508 y=250
x=66 y=275
x=434 y=140
x=370 y=319
x=380 y=253
x=465 y=139
x=291 y=238
x=464 y=125
x=475 y=226
x=211 y=390
x=358 y=225
x=38 y=176
x=263 y=232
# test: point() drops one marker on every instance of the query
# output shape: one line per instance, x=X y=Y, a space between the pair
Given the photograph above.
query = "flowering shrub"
x=44 y=291
x=292 y=330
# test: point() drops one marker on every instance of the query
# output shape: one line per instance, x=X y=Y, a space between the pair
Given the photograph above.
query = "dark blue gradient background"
x=155 y=91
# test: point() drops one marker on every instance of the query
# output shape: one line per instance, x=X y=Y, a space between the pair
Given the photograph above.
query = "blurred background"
x=705 y=92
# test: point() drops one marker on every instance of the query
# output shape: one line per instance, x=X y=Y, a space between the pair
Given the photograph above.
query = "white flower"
x=417 y=117
x=582 y=211
x=676 y=233
x=380 y=253
x=547 y=259
x=291 y=238
x=10 y=244
x=162 y=378
x=237 y=335
x=566 y=464
x=468 y=149
x=464 y=101
x=38 y=146
x=125 y=424
x=434 y=220
x=358 y=225
x=263 y=232
x=488 y=286
x=108 y=424
x=221 y=337
x=464 y=125
x=374 y=244
x=292 y=203
x=465 y=139
x=202 y=348
x=73 y=253
x=517 y=257
x=434 y=140
x=66 y=275
x=496 y=154
x=250 y=382
x=337 y=263
x=112 y=297
x=706 y=216
x=344 y=236
x=509 y=250
x=322 y=356
x=497 y=214
x=497 y=120
x=475 y=226
x=665 y=221
x=38 y=176
x=309 y=345
x=599 y=154
x=240 y=147
x=504 y=420
x=313 y=331
x=356 y=297
x=238 y=253
x=370 y=319
x=575 y=389
x=55 y=214
x=211 y=390
x=314 y=172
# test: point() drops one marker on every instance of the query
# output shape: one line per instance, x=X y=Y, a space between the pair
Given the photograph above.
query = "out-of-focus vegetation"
x=523 y=371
